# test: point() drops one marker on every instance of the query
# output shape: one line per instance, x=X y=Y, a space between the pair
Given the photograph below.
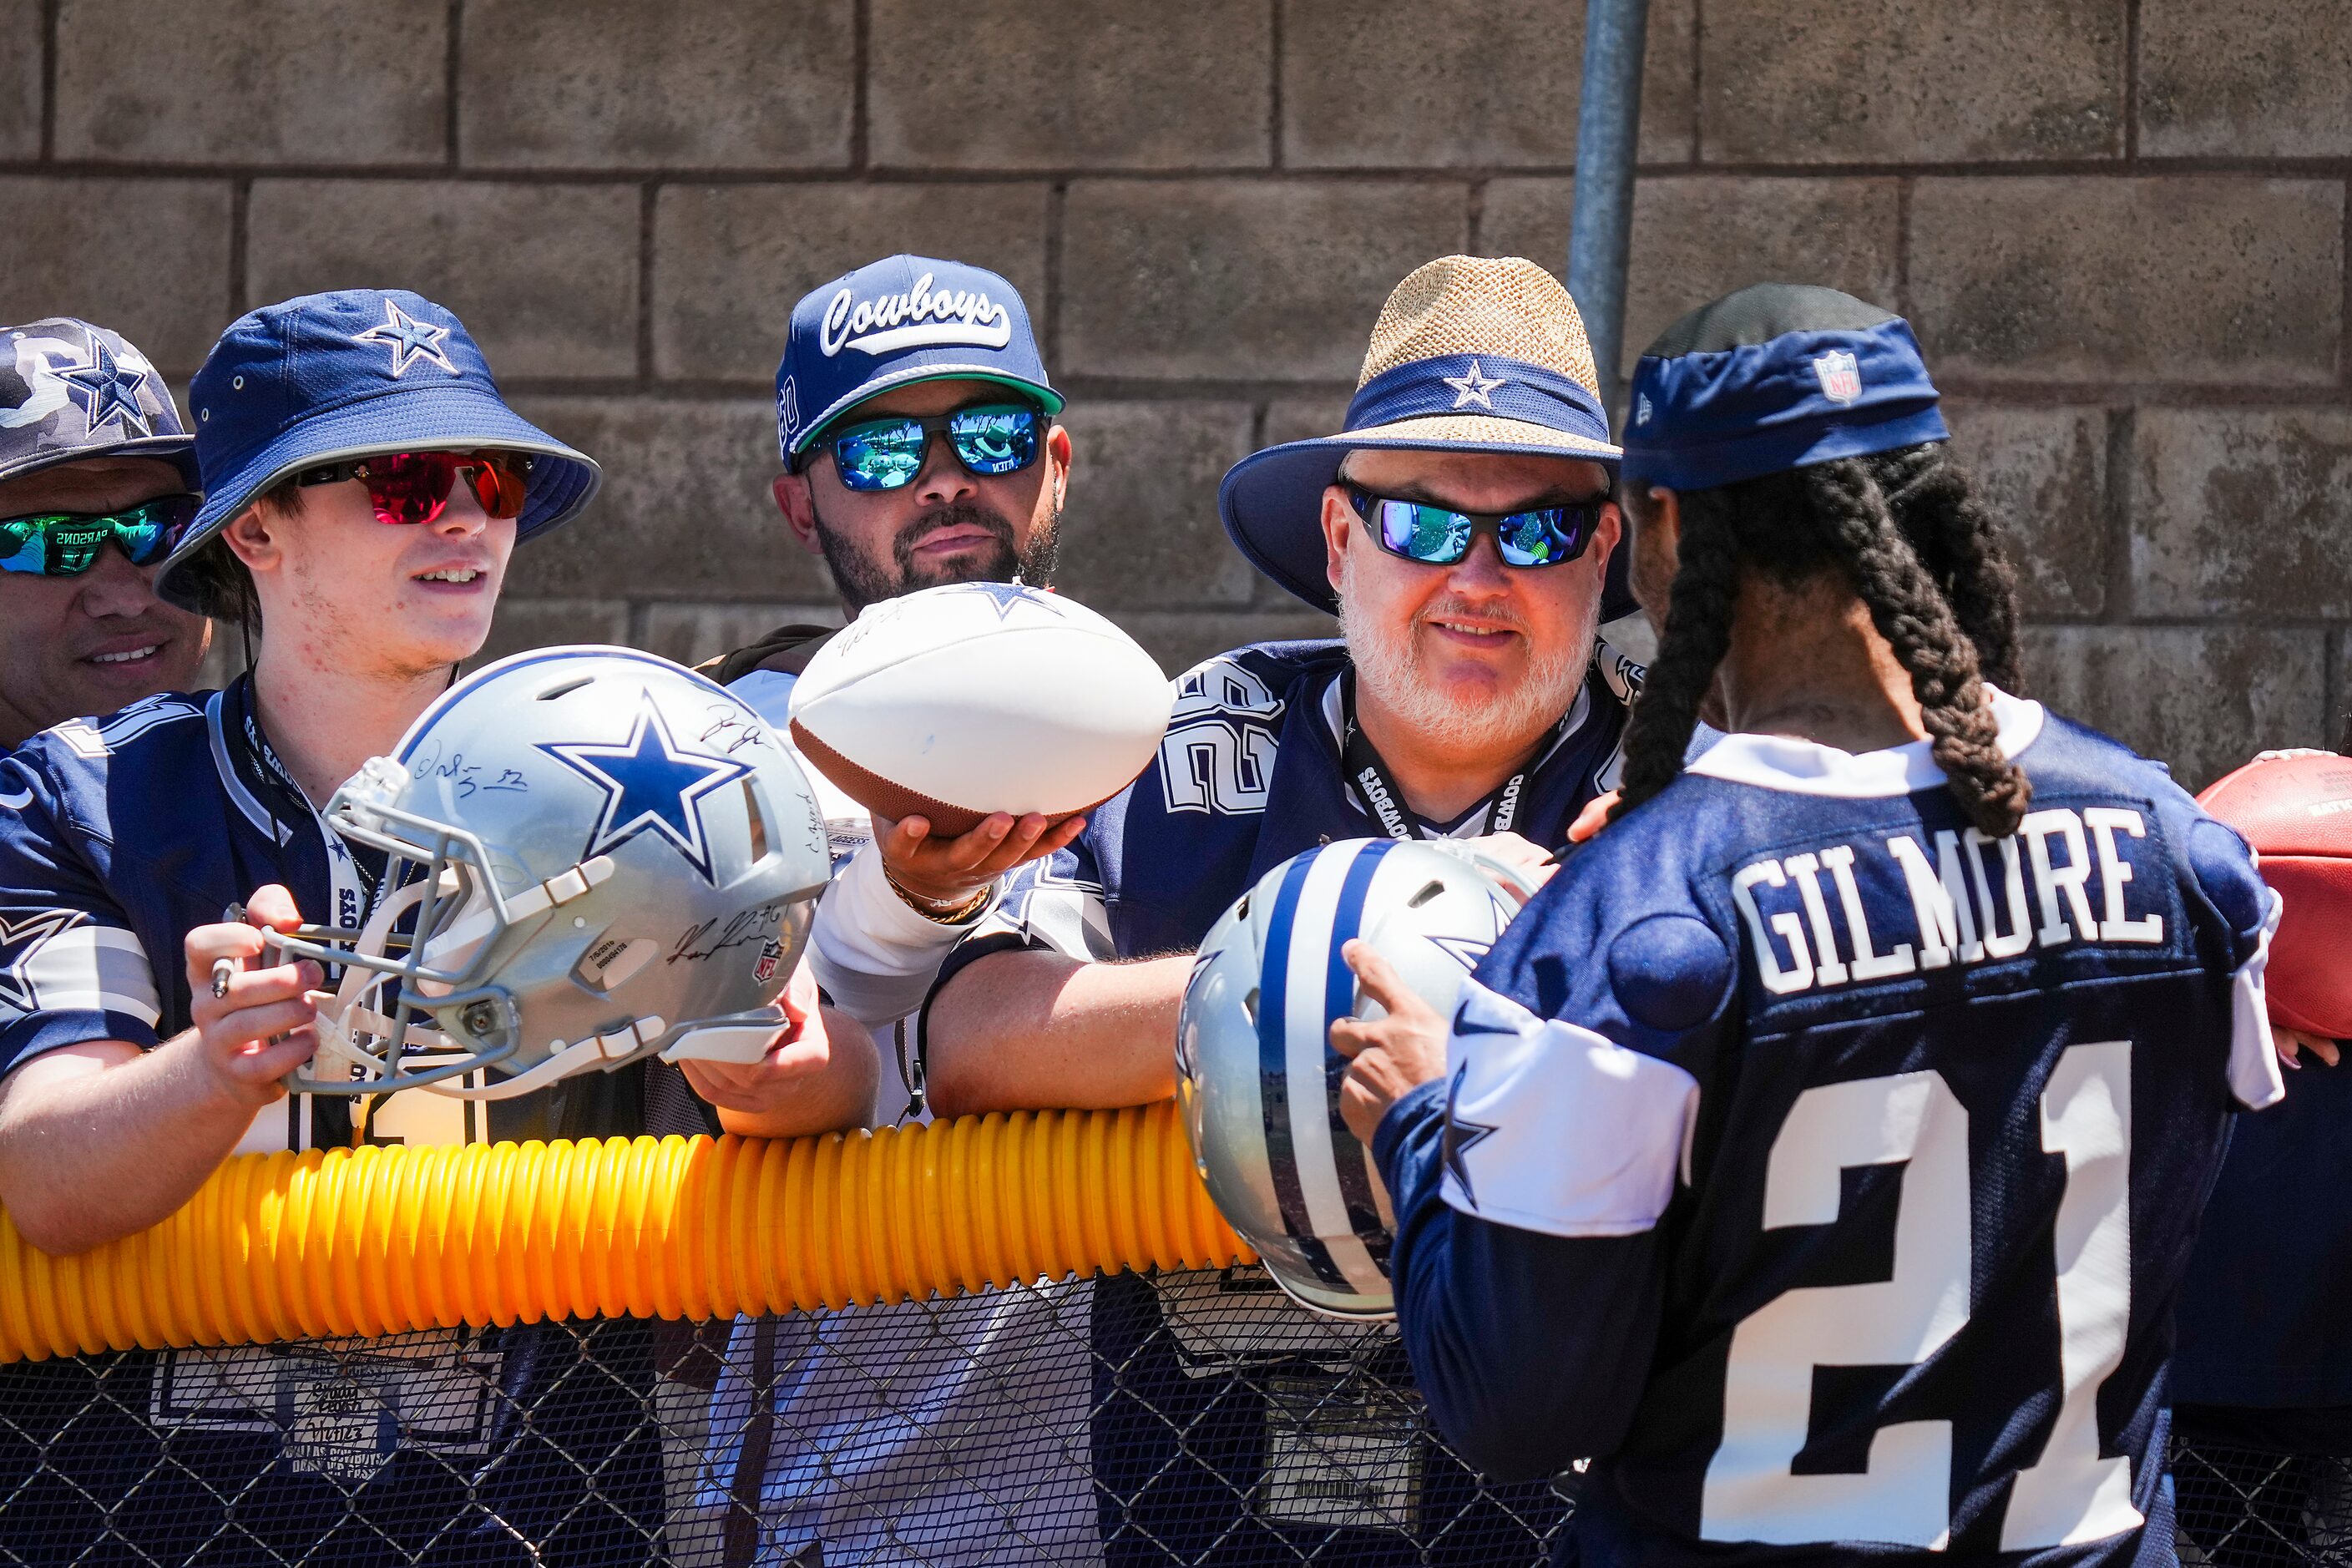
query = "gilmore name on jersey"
x=1827 y=1170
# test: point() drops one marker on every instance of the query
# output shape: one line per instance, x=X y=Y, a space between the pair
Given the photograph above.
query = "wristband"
x=963 y=913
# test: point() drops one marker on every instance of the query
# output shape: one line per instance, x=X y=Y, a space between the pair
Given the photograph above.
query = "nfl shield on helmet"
x=1257 y=1080
x=595 y=856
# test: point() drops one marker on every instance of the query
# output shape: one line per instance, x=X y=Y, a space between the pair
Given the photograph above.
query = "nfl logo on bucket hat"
x=1471 y=354
x=894 y=322
x=1772 y=377
x=70 y=390
x=327 y=377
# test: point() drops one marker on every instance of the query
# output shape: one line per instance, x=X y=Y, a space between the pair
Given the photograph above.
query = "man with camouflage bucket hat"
x=95 y=471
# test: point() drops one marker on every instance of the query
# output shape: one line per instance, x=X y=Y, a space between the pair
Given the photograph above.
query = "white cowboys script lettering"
x=913 y=320
x=1957 y=912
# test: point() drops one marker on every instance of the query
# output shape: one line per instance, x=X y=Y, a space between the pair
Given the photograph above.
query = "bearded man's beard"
x=1389 y=666
x=862 y=581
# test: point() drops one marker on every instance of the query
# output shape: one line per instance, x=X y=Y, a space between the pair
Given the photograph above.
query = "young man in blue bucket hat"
x=366 y=485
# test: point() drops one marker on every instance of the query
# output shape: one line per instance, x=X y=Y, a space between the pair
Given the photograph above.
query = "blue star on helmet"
x=1464 y=951
x=1459 y=1138
x=649 y=782
x=1476 y=387
x=409 y=339
x=107 y=391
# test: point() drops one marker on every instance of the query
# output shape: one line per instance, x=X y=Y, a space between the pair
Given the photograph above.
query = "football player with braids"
x=1821 y=1151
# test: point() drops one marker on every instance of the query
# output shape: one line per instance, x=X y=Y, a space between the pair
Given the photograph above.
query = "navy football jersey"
x=1233 y=1427
x=117 y=837
x=1829 y=1171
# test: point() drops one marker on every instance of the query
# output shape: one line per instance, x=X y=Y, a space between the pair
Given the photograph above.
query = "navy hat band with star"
x=327 y=377
x=1486 y=383
x=1704 y=418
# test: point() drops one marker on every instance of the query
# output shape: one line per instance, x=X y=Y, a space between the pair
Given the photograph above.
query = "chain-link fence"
x=1197 y=1418
x=1194 y=1418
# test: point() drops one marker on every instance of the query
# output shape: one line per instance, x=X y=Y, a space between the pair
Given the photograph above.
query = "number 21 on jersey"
x=2072 y=1493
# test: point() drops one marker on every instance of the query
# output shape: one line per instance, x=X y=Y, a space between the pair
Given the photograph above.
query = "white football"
x=974 y=698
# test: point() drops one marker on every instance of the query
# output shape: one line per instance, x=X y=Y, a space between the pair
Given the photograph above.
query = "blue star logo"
x=1476 y=387
x=1464 y=951
x=1459 y=1138
x=649 y=782
x=1009 y=597
x=107 y=391
x=27 y=937
x=409 y=340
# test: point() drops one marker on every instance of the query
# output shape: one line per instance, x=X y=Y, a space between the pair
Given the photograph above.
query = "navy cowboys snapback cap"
x=1773 y=377
x=895 y=323
x=326 y=377
x=70 y=390
x=1470 y=354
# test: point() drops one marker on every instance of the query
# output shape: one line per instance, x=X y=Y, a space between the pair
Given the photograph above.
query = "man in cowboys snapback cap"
x=915 y=422
x=97 y=477
x=1462 y=525
x=366 y=485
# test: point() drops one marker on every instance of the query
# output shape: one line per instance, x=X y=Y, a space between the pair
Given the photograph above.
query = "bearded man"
x=1462 y=527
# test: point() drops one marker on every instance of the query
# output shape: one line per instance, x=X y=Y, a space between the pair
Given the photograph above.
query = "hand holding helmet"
x=1259 y=1085
x=592 y=857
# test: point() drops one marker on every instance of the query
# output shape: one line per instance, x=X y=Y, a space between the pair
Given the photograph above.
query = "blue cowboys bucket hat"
x=70 y=390
x=1471 y=354
x=1773 y=377
x=327 y=377
x=895 y=323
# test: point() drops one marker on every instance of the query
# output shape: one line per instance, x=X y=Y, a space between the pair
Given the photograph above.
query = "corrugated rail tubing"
x=385 y=1239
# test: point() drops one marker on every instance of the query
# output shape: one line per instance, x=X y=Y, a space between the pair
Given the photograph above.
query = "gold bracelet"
x=963 y=913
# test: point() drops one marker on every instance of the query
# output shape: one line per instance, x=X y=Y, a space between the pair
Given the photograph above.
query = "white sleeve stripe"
x=2253 y=1059
x=1557 y=1128
x=90 y=968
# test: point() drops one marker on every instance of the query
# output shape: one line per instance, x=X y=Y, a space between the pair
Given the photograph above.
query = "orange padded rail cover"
x=382 y=1240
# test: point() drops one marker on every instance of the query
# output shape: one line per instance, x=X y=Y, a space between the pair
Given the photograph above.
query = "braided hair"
x=1837 y=515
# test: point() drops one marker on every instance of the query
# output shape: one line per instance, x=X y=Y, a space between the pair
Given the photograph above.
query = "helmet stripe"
x=1322 y=918
x=1351 y=1161
x=1273 y=1070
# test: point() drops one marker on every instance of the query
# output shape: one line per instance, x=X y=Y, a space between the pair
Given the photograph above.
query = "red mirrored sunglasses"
x=413 y=487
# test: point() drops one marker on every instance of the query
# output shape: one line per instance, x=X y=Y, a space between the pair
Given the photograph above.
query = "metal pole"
x=1608 y=124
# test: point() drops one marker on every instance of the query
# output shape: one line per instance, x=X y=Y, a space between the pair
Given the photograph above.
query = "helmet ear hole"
x=759 y=821
x=1249 y=1007
x=564 y=688
x=1429 y=890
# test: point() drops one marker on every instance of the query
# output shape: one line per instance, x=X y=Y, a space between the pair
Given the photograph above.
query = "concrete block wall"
x=2120 y=226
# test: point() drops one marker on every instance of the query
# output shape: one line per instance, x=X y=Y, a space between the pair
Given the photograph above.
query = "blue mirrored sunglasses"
x=1437 y=536
x=989 y=439
x=65 y=543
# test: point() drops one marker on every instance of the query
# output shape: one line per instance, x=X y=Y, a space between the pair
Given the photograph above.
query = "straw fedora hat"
x=1471 y=354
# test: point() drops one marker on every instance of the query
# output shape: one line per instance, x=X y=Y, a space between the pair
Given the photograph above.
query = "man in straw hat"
x=1461 y=526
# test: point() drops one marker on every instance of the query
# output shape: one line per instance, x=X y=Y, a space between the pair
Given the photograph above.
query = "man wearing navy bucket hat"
x=1821 y=1151
x=1463 y=526
x=366 y=484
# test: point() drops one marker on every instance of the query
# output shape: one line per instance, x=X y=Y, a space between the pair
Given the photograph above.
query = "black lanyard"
x=1361 y=762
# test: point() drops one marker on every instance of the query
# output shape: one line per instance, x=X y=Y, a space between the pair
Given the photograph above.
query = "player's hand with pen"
x=254 y=1025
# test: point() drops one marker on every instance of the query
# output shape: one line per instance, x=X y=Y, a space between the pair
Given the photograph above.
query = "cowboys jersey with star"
x=117 y=837
x=1827 y=1171
x=1216 y=1398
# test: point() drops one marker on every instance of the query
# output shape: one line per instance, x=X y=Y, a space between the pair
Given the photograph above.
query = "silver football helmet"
x=1256 y=1078
x=595 y=857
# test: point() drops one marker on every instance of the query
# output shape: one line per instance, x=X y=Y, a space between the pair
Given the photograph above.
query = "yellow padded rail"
x=382 y=1240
